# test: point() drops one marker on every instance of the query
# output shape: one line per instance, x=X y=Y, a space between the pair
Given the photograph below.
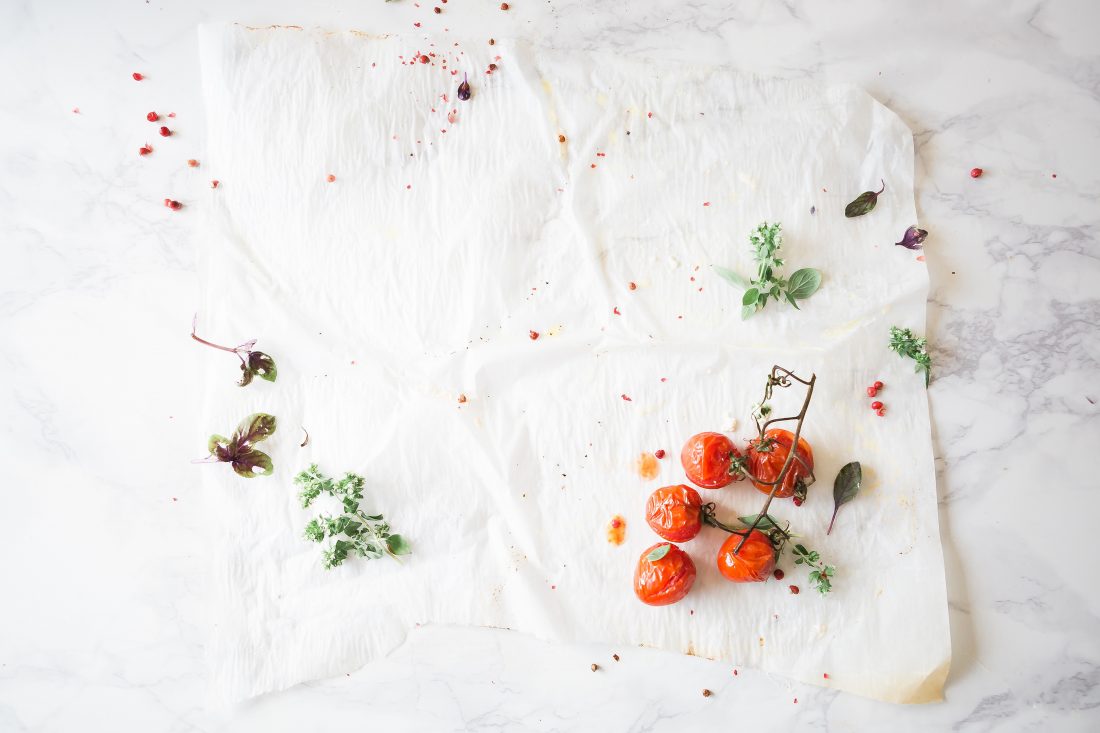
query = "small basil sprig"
x=905 y=344
x=913 y=238
x=353 y=531
x=766 y=241
x=821 y=576
x=253 y=363
x=239 y=449
x=845 y=488
x=863 y=203
x=658 y=552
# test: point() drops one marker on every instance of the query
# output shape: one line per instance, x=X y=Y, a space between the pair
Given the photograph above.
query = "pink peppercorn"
x=152 y=117
x=165 y=132
x=659 y=454
x=876 y=405
x=137 y=76
x=533 y=335
x=976 y=172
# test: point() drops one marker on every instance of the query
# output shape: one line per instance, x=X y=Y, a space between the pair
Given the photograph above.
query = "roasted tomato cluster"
x=665 y=573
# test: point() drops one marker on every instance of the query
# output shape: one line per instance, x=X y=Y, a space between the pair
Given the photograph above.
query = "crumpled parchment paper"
x=452 y=230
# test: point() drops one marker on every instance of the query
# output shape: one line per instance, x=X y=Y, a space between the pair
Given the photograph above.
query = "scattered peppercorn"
x=794 y=589
x=504 y=6
x=173 y=205
x=331 y=178
x=437 y=10
x=976 y=172
x=878 y=386
x=152 y=117
x=533 y=335
x=165 y=132
x=797 y=501
x=881 y=412
x=871 y=391
x=615 y=657
x=778 y=574
x=633 y=286
x=214 y=183
x=424 y=59
x=137 y=76
x=492 y=42
x=144 y=150
x=825 y=675
x=492 y=67
x=659 y=454
x=706 y=692
x=876 y=405
x=626 y=398
x=192 y=163
x=461 y=399
x=561 y=138
x=595 y=667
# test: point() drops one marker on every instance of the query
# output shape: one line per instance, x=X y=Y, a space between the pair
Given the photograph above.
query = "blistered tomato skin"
x=675 y=513
x=665 y=581
x=753 y=564
x=766 y=465
x=706 y=458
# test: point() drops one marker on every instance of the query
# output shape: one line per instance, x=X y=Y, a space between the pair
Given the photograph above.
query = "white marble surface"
x=103 y=545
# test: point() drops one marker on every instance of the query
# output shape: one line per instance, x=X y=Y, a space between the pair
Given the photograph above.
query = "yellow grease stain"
x=647 y=466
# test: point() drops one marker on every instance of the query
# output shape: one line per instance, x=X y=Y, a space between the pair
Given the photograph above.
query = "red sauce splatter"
x=616 y=530
x=647 y=467
x=826 y=675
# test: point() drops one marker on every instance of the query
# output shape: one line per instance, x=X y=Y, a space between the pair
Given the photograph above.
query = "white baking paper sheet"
x=417 y=276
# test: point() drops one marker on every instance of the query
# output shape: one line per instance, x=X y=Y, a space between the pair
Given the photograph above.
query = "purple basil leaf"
x=464 y=89
x=912 y=239
x=251 y=463
x=863 y=203
x=254 y=428
x=246 y=376
x=262 y=365
x=220 y=447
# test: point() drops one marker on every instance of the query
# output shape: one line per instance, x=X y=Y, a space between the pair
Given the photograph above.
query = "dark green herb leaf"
x=863 y=203
x=913 y=238
x=658 y=552
x=803 y=283
x=750 y=297
x=766 y=522
x=397 y=545
x=732 y=277
x=847 y=484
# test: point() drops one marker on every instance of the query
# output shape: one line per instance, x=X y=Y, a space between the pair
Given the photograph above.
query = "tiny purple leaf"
x=863 y=203
x=913 y=238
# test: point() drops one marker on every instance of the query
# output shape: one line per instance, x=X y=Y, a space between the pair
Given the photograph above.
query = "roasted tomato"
x=666 y=579
x=766 y=461
x=706 y=458
x=753 y=564
x=675 y=512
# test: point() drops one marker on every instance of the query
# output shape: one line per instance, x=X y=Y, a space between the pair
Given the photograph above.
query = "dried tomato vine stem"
x=779 y=377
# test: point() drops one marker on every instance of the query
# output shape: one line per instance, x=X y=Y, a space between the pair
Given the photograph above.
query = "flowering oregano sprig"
x=766 y=242
x=905 y=344
x=353 y=531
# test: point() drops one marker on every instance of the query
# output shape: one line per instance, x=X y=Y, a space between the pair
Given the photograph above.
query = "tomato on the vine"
x=766 y=458
x=675 y=512
x=666 y=579
x=753 y=564
x=707 y=458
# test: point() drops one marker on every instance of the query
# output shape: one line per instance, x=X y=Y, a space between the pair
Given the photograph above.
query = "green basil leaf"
x=765 y=522
x=255 y=428
x=397 y=545
x=262 y=365
x=746 y=311
x=845 y=488
x=732 y=277
x=863 y=203
x=803 y=283
x=246 y=461
x=750 y=297
x=658 y=552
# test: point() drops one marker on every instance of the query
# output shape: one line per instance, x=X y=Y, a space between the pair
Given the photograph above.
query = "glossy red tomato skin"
x=706 y=458
x=675 y=513
x=753 y=564
x=766 y=465
x=665 y=581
